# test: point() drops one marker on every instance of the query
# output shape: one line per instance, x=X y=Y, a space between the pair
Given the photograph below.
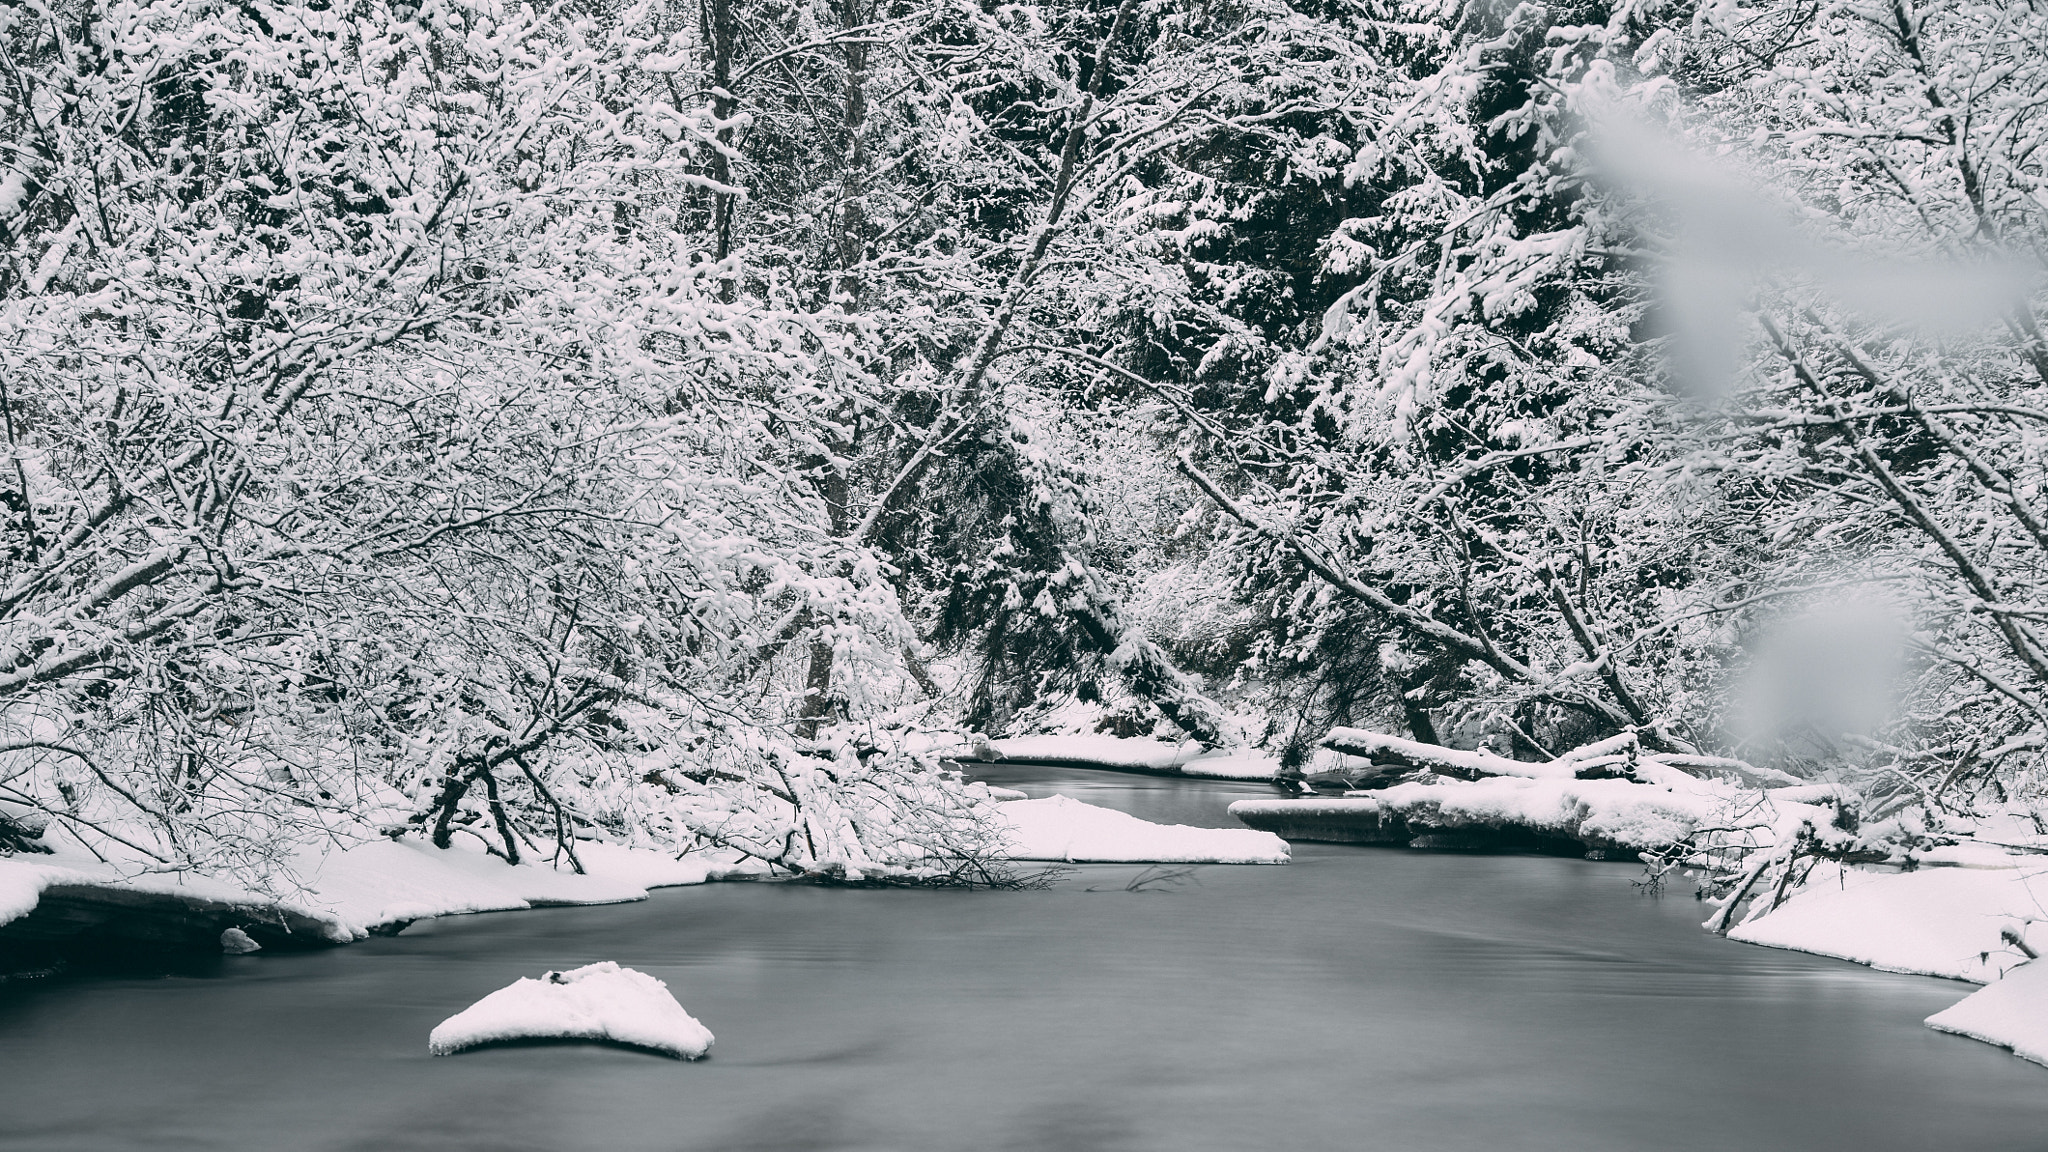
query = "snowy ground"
x=1064 y=829
x=1974 y=919
x=1934 y=920
x=344 y=894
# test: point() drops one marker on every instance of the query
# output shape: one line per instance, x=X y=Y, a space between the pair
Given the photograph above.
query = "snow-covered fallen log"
x=1127 y=755
x=601 y=1002
x=1060 y=828
x=1519 y=812
x=1473 y=765
x=1617 y=755
x=1608 y=798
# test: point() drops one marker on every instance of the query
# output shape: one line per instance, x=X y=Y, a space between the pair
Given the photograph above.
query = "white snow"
x=24 y=878
x=2012 y=1013
x=346 y=892
x=1064 y=829
x=1232 y=764
x=1378 y=746
x=22 y=884
x=1971 y=918
x=596 y=1002
x=1615 y=751
x=1932 y=921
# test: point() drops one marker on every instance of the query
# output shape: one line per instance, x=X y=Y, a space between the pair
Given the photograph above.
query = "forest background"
x=665 y=421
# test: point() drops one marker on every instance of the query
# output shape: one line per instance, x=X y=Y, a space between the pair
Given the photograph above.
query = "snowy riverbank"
x=1974 y=916
x=1968 y=912
x=345 y=893
x=335 y=896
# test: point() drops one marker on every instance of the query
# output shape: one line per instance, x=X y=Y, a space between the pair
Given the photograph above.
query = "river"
x=1359 y=998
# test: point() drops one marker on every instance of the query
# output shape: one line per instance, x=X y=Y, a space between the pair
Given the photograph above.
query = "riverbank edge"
x=54 y=904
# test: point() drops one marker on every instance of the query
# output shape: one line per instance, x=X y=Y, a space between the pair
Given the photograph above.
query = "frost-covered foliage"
x=1596 y=293
x=629 y=418
x=381 y=455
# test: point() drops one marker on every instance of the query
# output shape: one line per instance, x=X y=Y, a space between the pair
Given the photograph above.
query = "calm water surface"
x=1360 y=998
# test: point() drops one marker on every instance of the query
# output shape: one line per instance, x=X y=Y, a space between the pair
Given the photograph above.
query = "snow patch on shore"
x=596 y=1002
x=342 y=894
x=1931 y=921
x=1974 y=919
x=23 y=880
x=1060 y=828
x=2012 y=1013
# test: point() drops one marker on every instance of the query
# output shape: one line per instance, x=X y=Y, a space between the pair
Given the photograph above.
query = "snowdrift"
x=1060 y=828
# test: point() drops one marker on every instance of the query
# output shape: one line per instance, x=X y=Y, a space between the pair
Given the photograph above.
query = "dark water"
x=1359 y=998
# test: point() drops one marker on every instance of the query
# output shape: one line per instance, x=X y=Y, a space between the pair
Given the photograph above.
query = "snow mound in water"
x=596 y=1002
x=2011 y=1013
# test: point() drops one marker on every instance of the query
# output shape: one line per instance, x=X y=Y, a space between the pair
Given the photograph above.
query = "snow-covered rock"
x=2011 y=1013
x=236 y=942
x=596 y=1002
x=1064 y=829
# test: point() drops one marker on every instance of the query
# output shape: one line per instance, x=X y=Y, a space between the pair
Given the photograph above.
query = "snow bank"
x=2012 y=1013
x=178 y=900
x=1970 y=917
x=1064 y=829
x=1232 y=764
x=22 y=884
x=596 y=1002
x=338 y=895
x=1607 y=812
x=1932 y=921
